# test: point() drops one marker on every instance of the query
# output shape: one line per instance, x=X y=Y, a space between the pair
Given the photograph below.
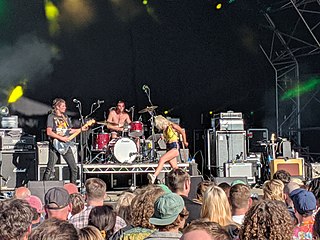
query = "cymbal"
x=148 y=109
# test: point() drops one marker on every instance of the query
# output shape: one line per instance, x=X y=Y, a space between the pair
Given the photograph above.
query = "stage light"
x=144 y=2
x=51 y=11
x=303 y=88
x=211 y=112
x=4 y=111
x=16 y=93
x=166 y=112
x=218 y=6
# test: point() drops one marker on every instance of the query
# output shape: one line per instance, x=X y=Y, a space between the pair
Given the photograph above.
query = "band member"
x=171 y=133
x=117 y=119
x=59 y=127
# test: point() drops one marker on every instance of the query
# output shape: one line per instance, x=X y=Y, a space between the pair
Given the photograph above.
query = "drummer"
x=118 y=119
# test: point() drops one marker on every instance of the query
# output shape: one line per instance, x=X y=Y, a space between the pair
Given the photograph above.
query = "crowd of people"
x=286 y=210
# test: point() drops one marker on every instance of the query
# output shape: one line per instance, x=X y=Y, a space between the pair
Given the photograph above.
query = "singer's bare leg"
x=170 y=157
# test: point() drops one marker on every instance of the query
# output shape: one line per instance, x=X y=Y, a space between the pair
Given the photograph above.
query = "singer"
x=117 y=119
x=59 y=127
x=171 y=133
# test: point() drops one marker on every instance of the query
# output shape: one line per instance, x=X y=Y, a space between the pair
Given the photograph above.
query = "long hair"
x=267 y=219
x=216 y=207
x=161 y=122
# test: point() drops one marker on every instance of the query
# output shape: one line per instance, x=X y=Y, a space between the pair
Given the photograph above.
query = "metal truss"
x=128 y=168
x=295 y=31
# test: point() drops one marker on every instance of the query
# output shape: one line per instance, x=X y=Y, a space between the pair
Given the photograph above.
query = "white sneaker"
x=152 y=178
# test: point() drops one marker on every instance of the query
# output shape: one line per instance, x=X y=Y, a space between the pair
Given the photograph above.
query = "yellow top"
x=170 y=135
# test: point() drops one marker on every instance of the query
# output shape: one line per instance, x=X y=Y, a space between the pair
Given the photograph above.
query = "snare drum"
x=136 y=129
x=125 y=150
x=101 y=141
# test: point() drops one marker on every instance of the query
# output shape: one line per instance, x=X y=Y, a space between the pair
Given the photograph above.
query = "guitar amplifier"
x=43 y=153
x=22 y=143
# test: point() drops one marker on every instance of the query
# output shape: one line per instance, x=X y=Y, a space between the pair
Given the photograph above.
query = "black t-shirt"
x=193 y=208
x=59 y=124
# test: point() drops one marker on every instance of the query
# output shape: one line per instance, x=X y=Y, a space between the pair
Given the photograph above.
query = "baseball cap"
x=166 y=209
x=71 y=188
x=35 y=202
x=303 y=201
x=56 y=198
x=235 y=182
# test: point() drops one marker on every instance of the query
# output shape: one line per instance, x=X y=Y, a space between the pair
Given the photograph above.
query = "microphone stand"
x=79 y=106
x=152 y=113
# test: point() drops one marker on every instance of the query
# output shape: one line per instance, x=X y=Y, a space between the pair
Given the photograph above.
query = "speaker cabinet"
x=43 y=153
x=17 y=168
x=230 y=146
x=294 y=166
x=182 y=157
x=39 y=188
x=195 y=180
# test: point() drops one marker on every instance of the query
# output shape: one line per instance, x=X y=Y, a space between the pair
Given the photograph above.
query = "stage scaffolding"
x=293 y=33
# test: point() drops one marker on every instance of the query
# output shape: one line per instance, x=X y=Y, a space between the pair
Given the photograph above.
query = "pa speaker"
x=17 y=168
x=195 y=180
x=294 y=166
x=39 y=188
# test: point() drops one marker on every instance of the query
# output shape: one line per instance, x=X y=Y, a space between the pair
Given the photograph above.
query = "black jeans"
x=53 y=158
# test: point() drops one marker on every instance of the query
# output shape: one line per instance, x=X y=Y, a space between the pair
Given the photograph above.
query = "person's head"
x=204 y=230
x=90 y=233
x=282 y=175
x=179 y=181
x=21 y=193
x=120 y=106
x=240 y=197
x=273 y=190
x=71 y=188
x=57 y=203
x=103 y=218
x=143 y=205
x=304 y=203
x=202 y=187
x=77 y=202
x=225 y=187
x=161 y=122
x=95 y=189
x=54 y=229
x=123 y=207
x=169 y=212
x=37 y=206
x=268 y=219
x=15 y=219
x=59 y=105
x=288 y=188
x=216 y=207
x=314 y=187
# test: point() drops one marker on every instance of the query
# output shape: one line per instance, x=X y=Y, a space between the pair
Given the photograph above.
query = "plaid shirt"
x=81 y=219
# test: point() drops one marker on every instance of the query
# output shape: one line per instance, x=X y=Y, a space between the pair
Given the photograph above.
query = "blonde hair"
x=161 y=122
x=273 y=190
x=216 y=207
x=90 y=233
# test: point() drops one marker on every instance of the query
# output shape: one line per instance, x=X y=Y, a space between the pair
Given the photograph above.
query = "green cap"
x=235 y=182
x=167 y=209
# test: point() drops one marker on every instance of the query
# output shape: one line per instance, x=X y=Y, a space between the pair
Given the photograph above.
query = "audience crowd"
x=287 y=209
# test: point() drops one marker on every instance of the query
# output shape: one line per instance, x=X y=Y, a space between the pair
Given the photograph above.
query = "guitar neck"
x=73 y=135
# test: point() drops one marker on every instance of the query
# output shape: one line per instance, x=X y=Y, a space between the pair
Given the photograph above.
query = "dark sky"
x=194 y=58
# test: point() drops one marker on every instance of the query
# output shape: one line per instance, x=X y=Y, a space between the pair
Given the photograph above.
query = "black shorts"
x=173 y=145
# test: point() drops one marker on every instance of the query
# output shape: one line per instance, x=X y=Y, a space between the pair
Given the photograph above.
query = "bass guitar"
x=62 y=147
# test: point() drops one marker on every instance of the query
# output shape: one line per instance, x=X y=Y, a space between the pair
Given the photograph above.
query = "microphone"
x=75 y=100
x=100 y=102
x=145 y=87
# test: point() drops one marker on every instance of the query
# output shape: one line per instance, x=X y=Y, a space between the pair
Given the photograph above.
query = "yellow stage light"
x=144 y=2
x=16 y=93
x=52 y=12
x=166 y=112
x=210 y=112
x=219 y=6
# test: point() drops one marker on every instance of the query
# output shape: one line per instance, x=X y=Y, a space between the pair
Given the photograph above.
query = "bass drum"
x=125 y=150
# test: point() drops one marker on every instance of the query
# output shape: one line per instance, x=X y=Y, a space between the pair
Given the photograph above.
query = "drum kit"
x=130 y=147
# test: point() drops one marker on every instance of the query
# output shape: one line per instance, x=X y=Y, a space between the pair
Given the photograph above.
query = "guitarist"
x=59 y=127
